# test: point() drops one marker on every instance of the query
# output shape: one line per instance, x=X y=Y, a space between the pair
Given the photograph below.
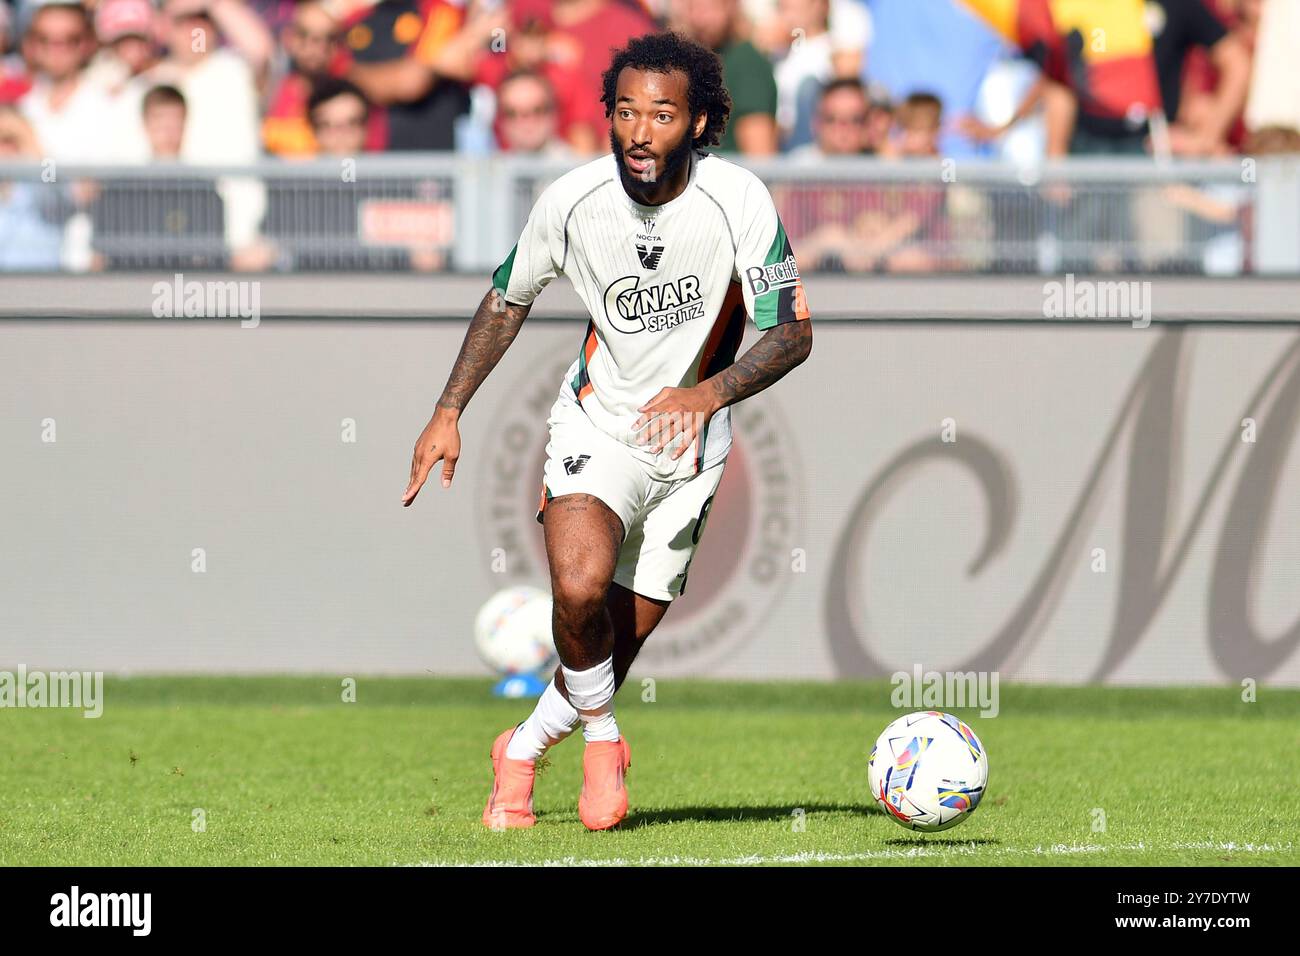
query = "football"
x=513 y=631
x=928 y=770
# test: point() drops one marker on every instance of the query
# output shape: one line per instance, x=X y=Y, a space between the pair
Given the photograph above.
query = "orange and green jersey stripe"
x=582 y=379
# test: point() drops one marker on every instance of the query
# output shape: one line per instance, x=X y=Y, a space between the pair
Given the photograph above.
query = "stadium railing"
x=438 y=213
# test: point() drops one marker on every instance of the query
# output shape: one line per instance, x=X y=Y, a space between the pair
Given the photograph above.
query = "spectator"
x=69 y=116
x=529 y=51
x=880 y=118
x=1219 y=216
x=126 y=30
x=775 y=23
x=221 y=125
x=1022 y=114
x=1114 y=83
x=338 y=112
x=526 y=117
x=1178 y=27
x=916 y=127
x=310 y=40
x=1201 y=79
x=840 y=122
x=217 y=82
x=145 y=224
x=821 y=218
x=395 y=47
x=802 y=68
x=745 y=71
x=584 y=34
x=163 y=115
x=1275 y=82
x=245 y=32
x=938 y=47
x=29 y=240
x=351 y=223
x=856 y=229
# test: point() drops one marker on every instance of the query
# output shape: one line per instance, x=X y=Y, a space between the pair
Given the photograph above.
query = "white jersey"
x=667 y=288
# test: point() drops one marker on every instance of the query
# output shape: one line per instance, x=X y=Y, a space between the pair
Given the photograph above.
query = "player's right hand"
x=440 y=441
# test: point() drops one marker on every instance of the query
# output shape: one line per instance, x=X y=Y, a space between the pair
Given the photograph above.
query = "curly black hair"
x=663 y=53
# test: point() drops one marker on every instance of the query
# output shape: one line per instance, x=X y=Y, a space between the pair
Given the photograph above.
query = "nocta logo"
x=103 y=909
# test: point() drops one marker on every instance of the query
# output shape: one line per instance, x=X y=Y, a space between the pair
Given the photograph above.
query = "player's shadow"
x=647 y=818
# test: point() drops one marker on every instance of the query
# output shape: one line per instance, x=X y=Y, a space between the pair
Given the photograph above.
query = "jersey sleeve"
x=765 y=265
x=537 y=257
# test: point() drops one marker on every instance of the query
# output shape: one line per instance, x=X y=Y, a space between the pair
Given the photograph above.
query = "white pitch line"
x=970 y=849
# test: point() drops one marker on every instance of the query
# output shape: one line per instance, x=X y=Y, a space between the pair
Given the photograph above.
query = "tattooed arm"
x=493 y=328
x=781 y=348
x=675 y=411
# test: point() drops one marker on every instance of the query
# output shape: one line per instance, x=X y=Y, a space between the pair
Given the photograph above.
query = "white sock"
x=551 y=721
x=592 y=694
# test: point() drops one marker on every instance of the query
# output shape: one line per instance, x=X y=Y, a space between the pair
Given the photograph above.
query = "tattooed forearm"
x=493 y=328
x=779 y=350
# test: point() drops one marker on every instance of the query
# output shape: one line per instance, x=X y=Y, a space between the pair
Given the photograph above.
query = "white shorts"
x=662 y=520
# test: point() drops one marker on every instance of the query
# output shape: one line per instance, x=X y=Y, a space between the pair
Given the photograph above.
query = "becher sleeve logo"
x=773 y=277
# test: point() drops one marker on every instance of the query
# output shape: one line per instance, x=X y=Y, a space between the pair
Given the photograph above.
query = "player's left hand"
x=671 y=412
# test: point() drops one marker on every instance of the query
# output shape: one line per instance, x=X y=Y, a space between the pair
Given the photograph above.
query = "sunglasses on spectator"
x=535 y=113
x=67 y=39
x=308 y=35
x=844 y=119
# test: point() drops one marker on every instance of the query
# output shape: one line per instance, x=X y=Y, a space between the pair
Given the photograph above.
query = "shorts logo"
x=779 y=275
x=649 y=255
x=572 y=466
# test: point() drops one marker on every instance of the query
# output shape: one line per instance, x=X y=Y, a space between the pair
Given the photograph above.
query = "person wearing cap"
x=125 y=29
x=127 y=52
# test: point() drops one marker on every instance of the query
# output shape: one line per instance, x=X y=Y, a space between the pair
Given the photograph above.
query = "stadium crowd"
x=226 y=82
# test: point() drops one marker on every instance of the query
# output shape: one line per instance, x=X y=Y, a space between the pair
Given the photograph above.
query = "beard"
x=665 y=168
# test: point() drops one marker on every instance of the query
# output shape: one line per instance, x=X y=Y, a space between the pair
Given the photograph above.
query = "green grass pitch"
x=274 y=771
